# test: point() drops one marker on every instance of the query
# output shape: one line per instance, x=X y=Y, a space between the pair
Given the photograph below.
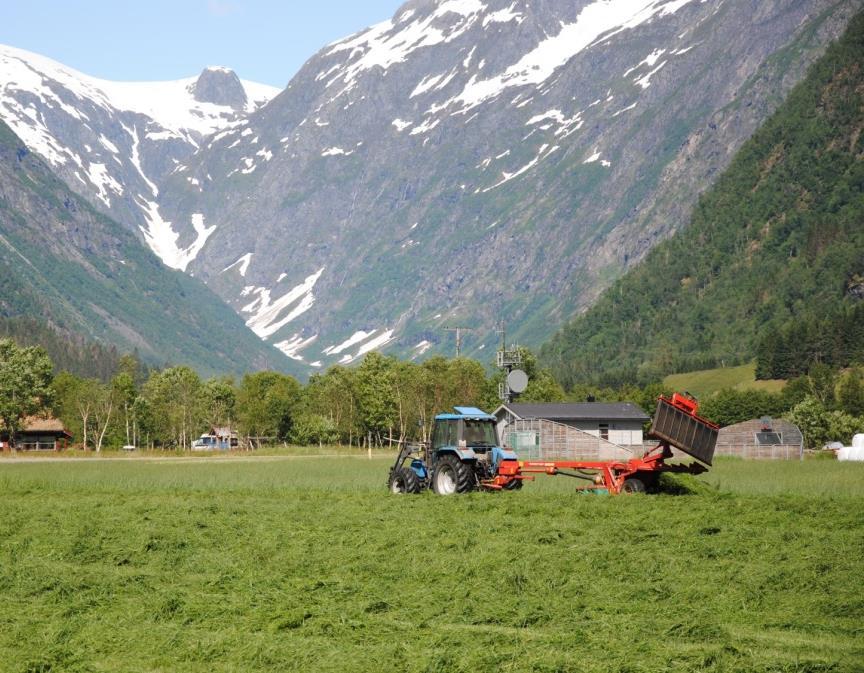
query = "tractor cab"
x=468 y=428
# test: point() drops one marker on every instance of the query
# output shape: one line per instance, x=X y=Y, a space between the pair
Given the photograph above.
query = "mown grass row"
x=310 y=565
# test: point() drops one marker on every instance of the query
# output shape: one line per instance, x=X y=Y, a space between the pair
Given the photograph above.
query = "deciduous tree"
x=25 y=384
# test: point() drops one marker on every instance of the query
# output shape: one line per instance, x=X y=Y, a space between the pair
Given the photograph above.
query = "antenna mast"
x=459 y=331
x=509 y=360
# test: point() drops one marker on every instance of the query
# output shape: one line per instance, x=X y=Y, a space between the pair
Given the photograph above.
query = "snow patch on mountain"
x=268 y=316
x=335 y=152
x=242 y=262
x=102 y=180
x=624 y=109
x=355 y=338
x=544 y=151
x=504 y=16
x=382 y=46
x=370 y=345
x=162 y=238
x=292 y=347
x=645 y=81
x=601 y=19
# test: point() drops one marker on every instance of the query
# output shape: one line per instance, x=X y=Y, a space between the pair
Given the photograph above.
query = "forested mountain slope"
x=773 y=260
x=78 y=271
x=69 y=352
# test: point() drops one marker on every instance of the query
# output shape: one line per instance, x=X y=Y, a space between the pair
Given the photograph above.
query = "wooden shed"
x=619 y=423
x=770 y=438
x=40 y=434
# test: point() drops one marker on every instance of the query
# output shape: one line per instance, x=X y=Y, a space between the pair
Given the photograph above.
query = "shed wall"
x=740 y=440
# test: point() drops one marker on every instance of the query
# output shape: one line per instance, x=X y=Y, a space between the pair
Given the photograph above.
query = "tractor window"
x=443 y=434
x=479 y=433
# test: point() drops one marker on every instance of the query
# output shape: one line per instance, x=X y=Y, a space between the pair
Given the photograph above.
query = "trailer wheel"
x=633 y=485
x=451 y=476
x=404 y=480
x=513 y=485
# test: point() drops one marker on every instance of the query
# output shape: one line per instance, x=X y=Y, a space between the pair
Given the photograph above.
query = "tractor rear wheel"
x=452 y=476
x=633 y=485
x=404 y=480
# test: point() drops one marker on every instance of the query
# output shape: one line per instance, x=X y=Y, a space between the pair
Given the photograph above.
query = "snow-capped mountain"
x=114 y=142
x=465 y=162
x=470 y=161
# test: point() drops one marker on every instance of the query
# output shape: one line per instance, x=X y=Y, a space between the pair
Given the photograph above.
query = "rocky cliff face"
x=466 y=162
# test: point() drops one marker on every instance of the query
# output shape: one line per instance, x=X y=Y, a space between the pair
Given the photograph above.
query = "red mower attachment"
x=675 y=424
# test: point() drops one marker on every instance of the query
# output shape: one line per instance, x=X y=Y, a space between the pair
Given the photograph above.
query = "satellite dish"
x=517 y=381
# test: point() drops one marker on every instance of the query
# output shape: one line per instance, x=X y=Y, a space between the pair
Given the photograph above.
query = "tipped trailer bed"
x=675 y=424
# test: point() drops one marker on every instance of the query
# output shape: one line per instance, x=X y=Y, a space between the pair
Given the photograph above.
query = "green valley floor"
x=309 y=564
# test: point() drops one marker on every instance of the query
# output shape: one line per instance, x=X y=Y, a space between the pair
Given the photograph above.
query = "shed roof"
x=40 y=424
x=584 y=411
x=744 y=433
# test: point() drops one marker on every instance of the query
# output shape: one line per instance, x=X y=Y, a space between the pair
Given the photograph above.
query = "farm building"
x=618 y=422
x=39 y=434
x=761 y=438
x=590 y=430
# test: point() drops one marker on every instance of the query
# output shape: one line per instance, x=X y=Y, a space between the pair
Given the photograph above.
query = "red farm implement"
x=675 y=424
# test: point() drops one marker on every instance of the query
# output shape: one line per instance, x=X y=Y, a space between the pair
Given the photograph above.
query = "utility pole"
x=458 y=331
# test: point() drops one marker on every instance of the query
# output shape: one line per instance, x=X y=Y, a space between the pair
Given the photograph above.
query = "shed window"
x=768 y=438
x=604 y=431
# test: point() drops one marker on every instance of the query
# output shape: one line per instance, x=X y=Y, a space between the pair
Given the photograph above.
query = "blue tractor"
x=463 y=455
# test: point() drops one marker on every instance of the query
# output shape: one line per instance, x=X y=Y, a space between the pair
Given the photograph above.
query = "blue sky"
x=263 y=40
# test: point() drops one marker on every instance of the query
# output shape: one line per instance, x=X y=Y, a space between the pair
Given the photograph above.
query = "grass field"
x=704 y=383
x=308 y=564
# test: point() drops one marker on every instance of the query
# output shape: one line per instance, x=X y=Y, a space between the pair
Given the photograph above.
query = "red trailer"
x=676 y=424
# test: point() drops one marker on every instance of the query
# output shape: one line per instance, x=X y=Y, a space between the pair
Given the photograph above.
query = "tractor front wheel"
x=452 y=476
x=404 y=480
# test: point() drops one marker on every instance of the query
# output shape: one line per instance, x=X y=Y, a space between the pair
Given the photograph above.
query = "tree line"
x=827 y=404
x=836 y=339
x=381 y=401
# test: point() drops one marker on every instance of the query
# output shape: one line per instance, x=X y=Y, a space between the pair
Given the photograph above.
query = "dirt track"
x=12 y=460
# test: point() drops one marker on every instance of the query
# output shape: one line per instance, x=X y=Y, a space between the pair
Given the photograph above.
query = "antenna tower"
x=459 y=332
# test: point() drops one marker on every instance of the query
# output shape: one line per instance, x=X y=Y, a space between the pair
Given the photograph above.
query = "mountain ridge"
x=113 y=142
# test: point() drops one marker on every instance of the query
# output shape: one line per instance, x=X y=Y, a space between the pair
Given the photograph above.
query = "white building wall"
x=623 y=433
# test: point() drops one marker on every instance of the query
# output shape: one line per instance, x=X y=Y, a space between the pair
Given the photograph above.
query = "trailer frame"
x=675 y=423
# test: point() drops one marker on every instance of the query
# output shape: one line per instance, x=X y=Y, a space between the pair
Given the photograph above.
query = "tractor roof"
x=470 y=413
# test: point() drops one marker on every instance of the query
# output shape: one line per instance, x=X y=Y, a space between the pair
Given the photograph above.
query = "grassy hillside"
x=80 y=273
x=776 y=244
x=310 y=565
x=708 y=381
